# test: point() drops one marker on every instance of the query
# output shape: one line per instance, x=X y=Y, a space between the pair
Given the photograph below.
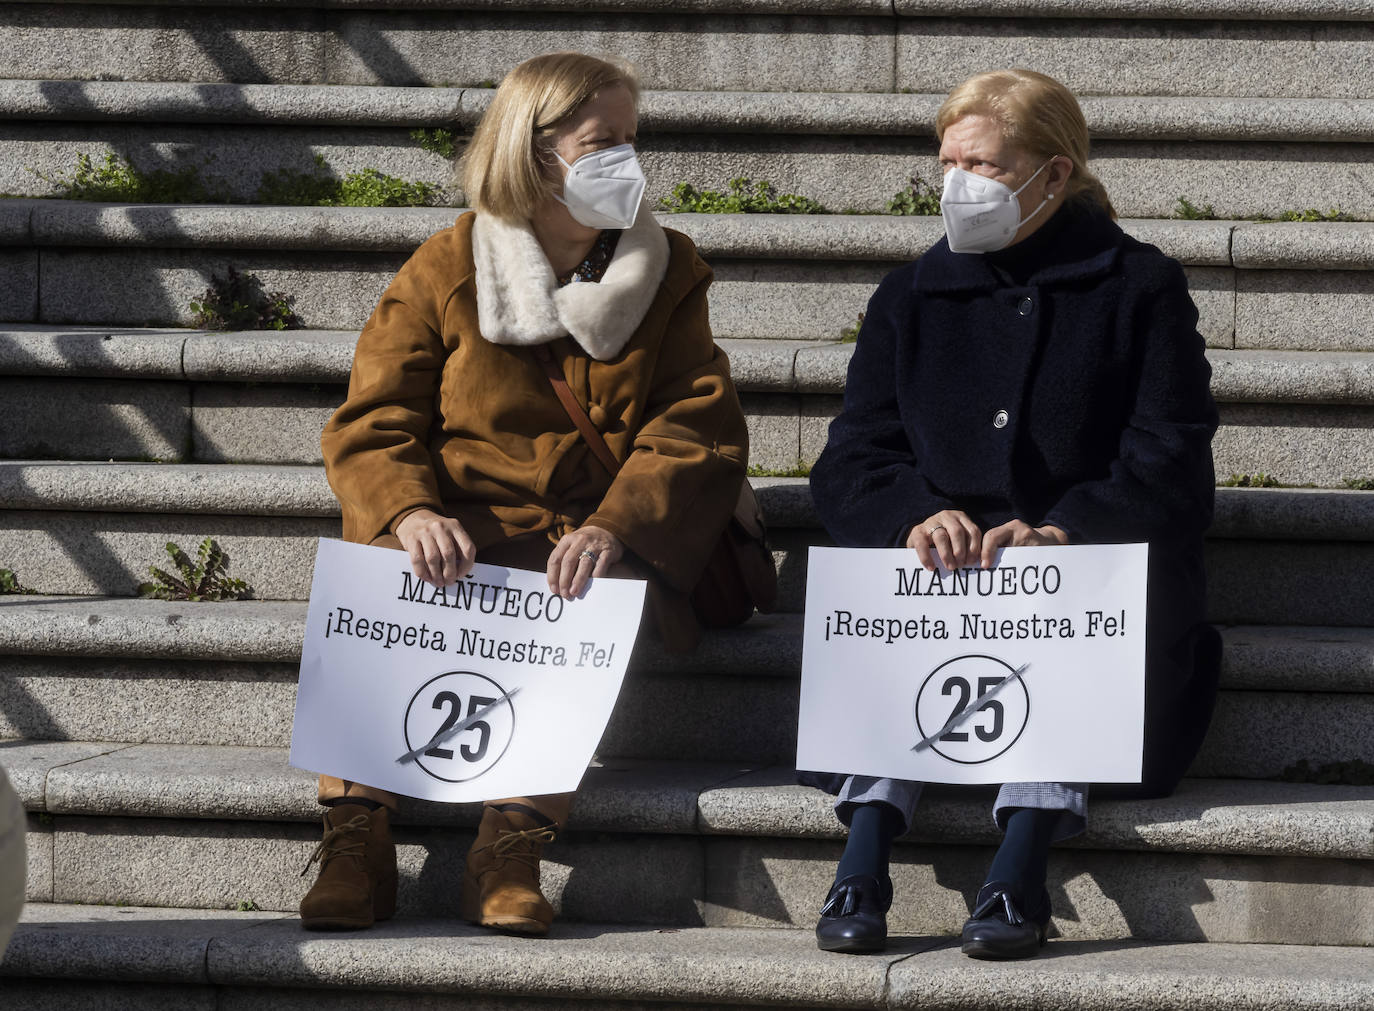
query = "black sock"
x=371 y=805
x=1024 y=857
x=871 y=831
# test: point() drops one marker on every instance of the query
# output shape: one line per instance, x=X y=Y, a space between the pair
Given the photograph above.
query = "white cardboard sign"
x=390 y=662
x=892 y=652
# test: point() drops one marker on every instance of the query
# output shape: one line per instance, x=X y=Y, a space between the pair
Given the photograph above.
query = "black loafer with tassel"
x=854 y=917
x=998 y=929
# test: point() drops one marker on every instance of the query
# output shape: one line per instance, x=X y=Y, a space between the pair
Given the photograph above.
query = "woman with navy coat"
x=1035 y=378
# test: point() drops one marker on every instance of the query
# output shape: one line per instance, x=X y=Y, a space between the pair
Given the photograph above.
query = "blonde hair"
x=1038 y=115
x=502 y=168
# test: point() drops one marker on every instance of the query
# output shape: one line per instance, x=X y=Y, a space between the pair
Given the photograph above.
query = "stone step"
x=1205 y=816
x=1287 y=51
x=1109 y=117
x=168 y=639
x=1222 y=10
x=1287 y=286
x=178 y=826
x=1288 y=514
x=314 y=357
x=1268 y=579
x=1260 y=575
x=204 y=959
x=1302 y=418
x=849 y=151
x=168 y=673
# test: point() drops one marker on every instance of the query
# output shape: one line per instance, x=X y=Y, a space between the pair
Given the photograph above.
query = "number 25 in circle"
x=442 y=702
x=992 y=728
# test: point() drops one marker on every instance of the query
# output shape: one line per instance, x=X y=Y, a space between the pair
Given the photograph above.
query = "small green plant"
x=1189 y=211
x=1359 y=483
x=1258 y=480
x=1312 y=214
x=919 y=198
x=9 y=583
x=436 y=141
x=744 y=197
x=115 y=180
x=850 y=334
x=370 y=188
x=239 y=302
x=247 y=906
x=318 y=188
x=205 y=578
x=799 y=469
x=1355 y=772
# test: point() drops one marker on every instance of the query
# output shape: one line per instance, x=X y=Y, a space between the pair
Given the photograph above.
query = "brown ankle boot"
x=357 y=882
x=501 y=881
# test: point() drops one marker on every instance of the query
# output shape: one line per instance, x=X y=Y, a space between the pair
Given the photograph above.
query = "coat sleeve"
x=867 y=486
x=375 y=447
x=678 y=487
x=1161 y=485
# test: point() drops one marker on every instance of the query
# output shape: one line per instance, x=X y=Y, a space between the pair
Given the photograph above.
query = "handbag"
x=740 y=576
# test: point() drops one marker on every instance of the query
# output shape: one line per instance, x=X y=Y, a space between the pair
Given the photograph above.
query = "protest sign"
x=492 y=687
x=1028 y=672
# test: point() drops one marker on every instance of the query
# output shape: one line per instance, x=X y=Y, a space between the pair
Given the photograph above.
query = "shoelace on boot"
x=335 y=844
x=522 y=845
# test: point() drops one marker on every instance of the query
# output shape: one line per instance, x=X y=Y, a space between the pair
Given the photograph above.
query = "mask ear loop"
x=1048 y=196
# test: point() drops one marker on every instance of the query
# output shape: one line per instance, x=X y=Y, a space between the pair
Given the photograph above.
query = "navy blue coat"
x=1060 y=381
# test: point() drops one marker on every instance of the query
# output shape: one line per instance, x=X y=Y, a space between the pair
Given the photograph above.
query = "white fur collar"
x=519 y=301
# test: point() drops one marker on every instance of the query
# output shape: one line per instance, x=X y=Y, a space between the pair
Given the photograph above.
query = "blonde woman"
x=453 y=445
x=1035 y=378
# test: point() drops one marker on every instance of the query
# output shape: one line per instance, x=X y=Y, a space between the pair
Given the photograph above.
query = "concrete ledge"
x=263 y=490
x=595 y=962
x=1109 y=118
x=724 y=967
x=1286 y=10
x=871 y=237
x=357 y=229
x=200 y=782
x=1244 y=817
x=266 y=104
x=149 y=487
x=301 y=356
x=535 y=6
x=1255 y=658
x=757 y=366
x=1203 y=816
x=1292 y=377
x=114 y=627
x=1299 y=246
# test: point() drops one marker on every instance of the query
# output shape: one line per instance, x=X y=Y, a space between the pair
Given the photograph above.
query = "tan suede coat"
x=439 y=416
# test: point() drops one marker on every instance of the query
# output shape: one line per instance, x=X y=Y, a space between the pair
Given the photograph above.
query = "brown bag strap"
x=579 y=417
x=747 y=512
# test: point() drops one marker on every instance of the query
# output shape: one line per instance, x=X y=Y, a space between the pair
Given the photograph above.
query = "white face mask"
x=603 y=189
x=982 y=215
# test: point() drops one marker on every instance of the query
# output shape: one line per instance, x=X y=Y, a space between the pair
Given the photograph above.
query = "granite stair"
x=148 y=739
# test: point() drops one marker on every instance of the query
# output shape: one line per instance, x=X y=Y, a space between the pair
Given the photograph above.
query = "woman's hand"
x=951 y=535
x=581 y=556
x=441 y=552
x=1018 y=534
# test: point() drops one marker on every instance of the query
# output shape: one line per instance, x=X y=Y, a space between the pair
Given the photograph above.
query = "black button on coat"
x=1060 y=381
